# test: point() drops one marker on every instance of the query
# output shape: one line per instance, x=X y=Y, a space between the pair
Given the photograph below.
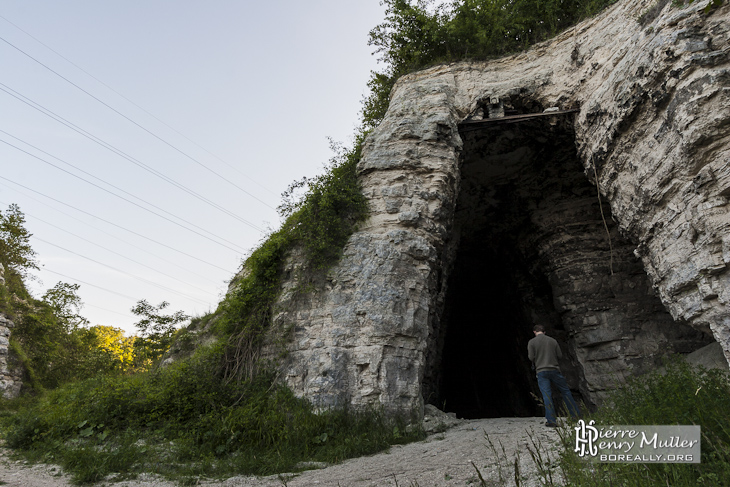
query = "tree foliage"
x=16 y=253
x=109 y=350
x=51 y=339
x=55 y=344
x=63 y=298
x=156 y=331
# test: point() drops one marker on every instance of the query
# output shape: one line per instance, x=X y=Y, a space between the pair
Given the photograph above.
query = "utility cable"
x=115 y=237
x=89 y=284
x=114 y=224
x=121 y=255
x=128 y=315
x=22 y=98
x=133 y=103
x=603 y=217
x=204 y=235
x=115 y=187
x=135 y=123
x=141 y=279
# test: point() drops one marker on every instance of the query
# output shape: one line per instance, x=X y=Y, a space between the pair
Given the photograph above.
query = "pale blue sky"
x=260 y=85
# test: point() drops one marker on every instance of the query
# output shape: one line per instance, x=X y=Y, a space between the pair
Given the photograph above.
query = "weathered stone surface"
x=437 y=421
x=10 y=378
x=653 y=127
x=709 y=357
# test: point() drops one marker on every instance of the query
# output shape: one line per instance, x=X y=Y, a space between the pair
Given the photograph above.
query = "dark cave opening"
x=486 y=371
x=499 y=284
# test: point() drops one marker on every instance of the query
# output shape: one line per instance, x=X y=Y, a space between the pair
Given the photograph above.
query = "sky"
x=148 y=143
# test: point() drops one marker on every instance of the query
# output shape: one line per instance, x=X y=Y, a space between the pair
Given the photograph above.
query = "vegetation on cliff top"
x=319 y=223
x=415 y=34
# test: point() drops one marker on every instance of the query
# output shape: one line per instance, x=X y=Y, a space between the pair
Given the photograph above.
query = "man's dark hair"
x=539 y=328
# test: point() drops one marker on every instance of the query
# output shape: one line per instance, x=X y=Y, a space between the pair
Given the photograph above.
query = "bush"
x=186 y=420
x=319 y=223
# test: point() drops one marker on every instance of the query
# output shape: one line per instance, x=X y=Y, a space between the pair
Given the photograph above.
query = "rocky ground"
x=443 y=459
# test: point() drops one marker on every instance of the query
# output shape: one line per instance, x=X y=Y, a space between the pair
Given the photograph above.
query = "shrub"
x=185 y=420
x=319 y=223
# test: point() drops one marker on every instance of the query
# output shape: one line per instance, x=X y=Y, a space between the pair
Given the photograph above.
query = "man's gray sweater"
x=544 y=352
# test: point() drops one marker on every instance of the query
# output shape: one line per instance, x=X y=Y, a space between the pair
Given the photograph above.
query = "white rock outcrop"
x=652 y=123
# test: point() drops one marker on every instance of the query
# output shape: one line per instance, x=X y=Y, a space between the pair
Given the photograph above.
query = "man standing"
x=544 y=353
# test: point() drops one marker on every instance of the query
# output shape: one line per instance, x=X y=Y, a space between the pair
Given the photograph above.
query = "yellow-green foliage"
x=111 y=349
x=51 y=354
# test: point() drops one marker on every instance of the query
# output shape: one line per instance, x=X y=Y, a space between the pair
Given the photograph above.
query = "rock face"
x=609 y=223
x=10 y=378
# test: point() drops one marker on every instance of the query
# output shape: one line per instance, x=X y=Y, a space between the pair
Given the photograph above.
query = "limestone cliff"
x=486 y=218
x=10 y=375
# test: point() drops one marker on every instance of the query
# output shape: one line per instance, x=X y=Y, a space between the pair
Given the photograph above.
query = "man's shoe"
x=551 y=425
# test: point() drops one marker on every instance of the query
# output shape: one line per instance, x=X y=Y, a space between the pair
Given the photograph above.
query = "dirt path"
x=443 y=459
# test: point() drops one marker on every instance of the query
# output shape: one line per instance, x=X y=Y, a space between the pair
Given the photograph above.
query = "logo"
x=585 y=438
x=638 y=443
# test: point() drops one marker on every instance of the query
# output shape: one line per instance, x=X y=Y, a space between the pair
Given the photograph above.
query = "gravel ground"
x=443 y=459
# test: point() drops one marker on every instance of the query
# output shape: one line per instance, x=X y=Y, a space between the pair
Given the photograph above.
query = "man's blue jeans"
x=544 y=379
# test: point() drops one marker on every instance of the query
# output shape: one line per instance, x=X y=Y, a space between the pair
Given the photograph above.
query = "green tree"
x=156 y=331
x=41 y=340
x=56 y=344
x=63 y=298
x=16 y=253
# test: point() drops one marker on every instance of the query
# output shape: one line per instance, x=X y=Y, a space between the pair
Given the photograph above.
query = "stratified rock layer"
x=652 y=126
x=10 y=377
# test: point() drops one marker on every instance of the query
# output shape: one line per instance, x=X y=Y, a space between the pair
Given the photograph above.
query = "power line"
x=108 y=310
x=121 y=255
x=114 y=224
x=141 y=279
x=89 y=284
x=135 y=123
x=115 y=237
x=135 y=104
x=118 y=196
x=22 y=98
x=128 y=315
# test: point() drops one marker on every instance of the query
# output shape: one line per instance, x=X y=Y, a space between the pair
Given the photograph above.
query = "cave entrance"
x=512 y=176
x=529 y=245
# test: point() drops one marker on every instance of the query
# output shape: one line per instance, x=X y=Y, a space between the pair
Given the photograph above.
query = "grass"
x=677 y=394
x=184 y=422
